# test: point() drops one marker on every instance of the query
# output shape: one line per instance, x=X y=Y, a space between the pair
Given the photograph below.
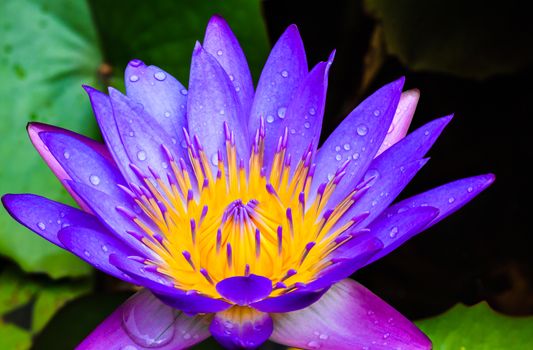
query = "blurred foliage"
x=163 y=33
x=49 y=50
x=471 y=39
x=28 y=303
x=478 y=327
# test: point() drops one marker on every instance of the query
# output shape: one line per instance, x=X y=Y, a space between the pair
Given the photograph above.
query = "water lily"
x=219 y=202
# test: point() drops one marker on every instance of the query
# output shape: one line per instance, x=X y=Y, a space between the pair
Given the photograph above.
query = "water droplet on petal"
x=386 y=335
x=426 y=133
x=323 y=336
x=214 y=159
x=346 y=146
x=284 y=74
x=470 y=189
x=184 y=92
x=270 y=118
x=104 y=248
x=87 y=253
x=94 y=179
x=281 y=112
x=312 y=111
x=451 y=200
x=355 y=156
x=293 y=131
x=393 y=232
x=41 y=225
x=131 y=133
x=135 y=63
x=186 y=336
x=134 y=78
x=307 y=125
x=377 y=113
x=160 y=76
x=167 y=114
x=66 y=155
x=231 y=77
x=338 y=157
x=362 y=130
x=313 y=344
x=337 y=148
x=237 y=88
x=141 y=155
x=219 y=52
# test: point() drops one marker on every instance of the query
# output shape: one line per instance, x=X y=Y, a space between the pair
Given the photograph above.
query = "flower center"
x=211 y=224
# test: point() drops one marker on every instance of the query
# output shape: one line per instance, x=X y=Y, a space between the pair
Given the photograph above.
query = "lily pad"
x=470 y=39
x=478 y=327
x=163 y=33
x=49 y=49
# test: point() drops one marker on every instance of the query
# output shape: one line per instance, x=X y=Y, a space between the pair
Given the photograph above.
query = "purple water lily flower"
x=219 y=202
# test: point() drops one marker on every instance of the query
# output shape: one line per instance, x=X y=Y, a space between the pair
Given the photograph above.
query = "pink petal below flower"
x=144 y=322
x=402 y=119
x=347 y=317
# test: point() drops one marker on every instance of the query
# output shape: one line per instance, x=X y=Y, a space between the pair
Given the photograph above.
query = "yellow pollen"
x=233 y=220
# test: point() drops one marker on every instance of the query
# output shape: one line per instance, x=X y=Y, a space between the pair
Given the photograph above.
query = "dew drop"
x=141 y=155
x=160 y=76
x=167 y=114
x=219 y=52
x=237 y=88
x=186 y=336
x=105 y=249
x=362 y=130
x=386 y=335
x=374 y=203
x=377 y=113
x=231 y=77
x=214 y=159
x=41 y=225
x=393 y=232
x=94 y=179
x=174 y=141
x=131 y=133
x=270 y=119
x=451 y=200
x=164 y=165
x=402 y=209
x=184 y=92
x=284 y=74
x=426 y=132
x=323 y=336
x=281 y=112
x=135 y=63
x=346 y=146
x=221 y=112
x=470 y=189
x=66 y=155
x=312 y=111
x=307 y=125
x=134 y=78
x=338 y=157
x=355 y=156
x=313 y=344
x=337 y=148
x=370 y=313
x=86 y=253
x=293 y=131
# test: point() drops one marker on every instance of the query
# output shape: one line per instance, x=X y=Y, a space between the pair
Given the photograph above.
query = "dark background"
x=484 y=251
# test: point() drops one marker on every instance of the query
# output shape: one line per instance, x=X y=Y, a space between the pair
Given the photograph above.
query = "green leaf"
x=13 y=337
x=18 y=290
x=470 y=39
x=163 y=33
x=478 y=327
x=49 y=49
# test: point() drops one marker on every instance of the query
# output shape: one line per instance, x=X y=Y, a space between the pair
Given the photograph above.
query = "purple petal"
x=348 y=317
x=222 y=44
x=395 y=228
x=213 y=102
x=46 y=217
x=288 y=302
x=142 y=138
x=162 y=96
x=402 y=119
x=83 y=164
x=103 y=111
x=360 y=252
x=95 y=247
x=105 y=207
x=244 y=290
x=144 y=322
x=34 y=131
x=447 y=198
x=190 y=302
x=390 y=178
x=284 y=70
x=241 y=328
x=357 y=138
x=304 y=115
